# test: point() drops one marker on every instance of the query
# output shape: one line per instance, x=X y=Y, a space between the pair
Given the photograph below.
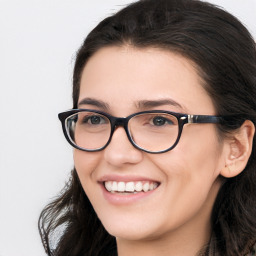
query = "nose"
x=120 y=151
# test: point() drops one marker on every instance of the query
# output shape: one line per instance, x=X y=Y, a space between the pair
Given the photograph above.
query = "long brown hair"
x=225 y=54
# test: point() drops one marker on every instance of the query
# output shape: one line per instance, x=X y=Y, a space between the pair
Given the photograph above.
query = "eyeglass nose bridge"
x=120 y=122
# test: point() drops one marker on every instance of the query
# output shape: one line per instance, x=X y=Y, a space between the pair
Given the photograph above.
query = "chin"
x=135 y=234
x=128 y=229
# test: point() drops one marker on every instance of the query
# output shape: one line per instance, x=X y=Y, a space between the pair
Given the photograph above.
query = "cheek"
x=201 y=150
x=191 y=168
x=198 y=152
x=85 y=164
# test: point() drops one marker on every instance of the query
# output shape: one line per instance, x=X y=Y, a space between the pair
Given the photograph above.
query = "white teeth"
x=132 y=187
x=146 y=187
x=129 y=187
x=138 y=186
x=108 y=185
x=114 y=186
x=120 y=186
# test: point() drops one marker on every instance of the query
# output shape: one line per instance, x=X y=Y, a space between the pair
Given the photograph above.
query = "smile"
x=130 y=187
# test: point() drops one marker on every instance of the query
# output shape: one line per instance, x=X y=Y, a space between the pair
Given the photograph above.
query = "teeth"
x=146 y=187
x=138 y=186
x=132 y=187
x=120 y=186
x=108 y=186
x=114 y=186
x=129 y=187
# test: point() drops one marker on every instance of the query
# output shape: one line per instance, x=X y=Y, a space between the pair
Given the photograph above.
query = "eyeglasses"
x=153 y=131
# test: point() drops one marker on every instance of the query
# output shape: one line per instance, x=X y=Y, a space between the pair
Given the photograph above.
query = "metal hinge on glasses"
x=190 y=118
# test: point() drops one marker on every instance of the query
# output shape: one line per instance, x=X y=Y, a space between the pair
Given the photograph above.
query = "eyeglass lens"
x=150 y=131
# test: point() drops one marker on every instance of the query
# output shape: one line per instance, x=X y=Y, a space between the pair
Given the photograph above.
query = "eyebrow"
x=94 y=102
x=157 y=103
x=142 y=104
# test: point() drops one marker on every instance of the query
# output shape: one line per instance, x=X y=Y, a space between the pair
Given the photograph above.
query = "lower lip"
x=119 y=199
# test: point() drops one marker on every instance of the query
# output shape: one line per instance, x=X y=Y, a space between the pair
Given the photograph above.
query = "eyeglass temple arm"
x=202 y=119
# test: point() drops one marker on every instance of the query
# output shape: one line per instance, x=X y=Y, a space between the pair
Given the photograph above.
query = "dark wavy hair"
x=225 y=55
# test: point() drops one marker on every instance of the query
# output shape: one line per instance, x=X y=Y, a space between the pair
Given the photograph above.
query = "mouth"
x=130 y=187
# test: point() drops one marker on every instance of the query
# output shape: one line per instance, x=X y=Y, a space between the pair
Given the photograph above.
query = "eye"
x=91 y=119
x=160 y=121
x=95 y=119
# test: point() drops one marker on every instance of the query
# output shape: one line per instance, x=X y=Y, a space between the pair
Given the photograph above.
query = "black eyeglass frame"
x=123 y=121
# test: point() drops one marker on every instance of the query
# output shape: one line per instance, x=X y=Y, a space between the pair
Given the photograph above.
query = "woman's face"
x=125 y=80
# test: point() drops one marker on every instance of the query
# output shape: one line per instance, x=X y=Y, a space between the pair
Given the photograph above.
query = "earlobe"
x=239 y=148
x=231 y=170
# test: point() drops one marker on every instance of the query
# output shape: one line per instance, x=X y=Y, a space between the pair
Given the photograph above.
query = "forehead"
x=122 y=76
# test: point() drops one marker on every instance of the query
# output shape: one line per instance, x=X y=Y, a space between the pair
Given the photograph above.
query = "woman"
x=163 y=125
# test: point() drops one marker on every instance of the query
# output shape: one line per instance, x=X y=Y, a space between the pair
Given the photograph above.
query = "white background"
x=38 y=41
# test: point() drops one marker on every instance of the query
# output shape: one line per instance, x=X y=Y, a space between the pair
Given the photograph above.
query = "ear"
x=238 y=147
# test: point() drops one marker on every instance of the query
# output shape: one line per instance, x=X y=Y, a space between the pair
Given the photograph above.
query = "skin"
x=175 y=218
